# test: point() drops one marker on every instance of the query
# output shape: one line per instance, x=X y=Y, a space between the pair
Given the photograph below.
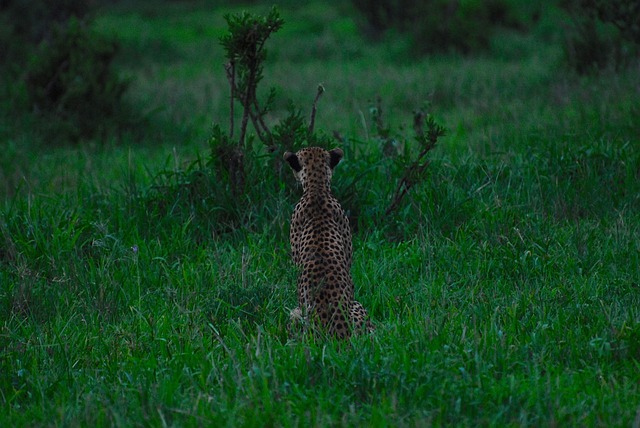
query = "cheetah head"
x=313 y=165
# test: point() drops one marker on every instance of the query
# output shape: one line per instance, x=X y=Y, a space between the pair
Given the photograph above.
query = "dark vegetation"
x=60 y=71
x=441 y=25
x=605 y=34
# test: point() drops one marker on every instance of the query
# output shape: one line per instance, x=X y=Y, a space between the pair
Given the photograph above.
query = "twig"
x=246 y=103
x=405 y=185
x=416 y=169
x=256 y=125
x=258 y=119
x=230 y=68
x=314 y=108
x=61 y=68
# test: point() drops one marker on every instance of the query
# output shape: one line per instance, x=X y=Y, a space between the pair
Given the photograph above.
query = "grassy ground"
x=508 y=294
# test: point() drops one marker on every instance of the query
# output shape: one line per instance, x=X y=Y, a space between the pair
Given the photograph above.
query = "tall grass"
x=505 y=291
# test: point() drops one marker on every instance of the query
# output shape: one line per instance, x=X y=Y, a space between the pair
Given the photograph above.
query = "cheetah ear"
x=335 y=156
x=293 y=161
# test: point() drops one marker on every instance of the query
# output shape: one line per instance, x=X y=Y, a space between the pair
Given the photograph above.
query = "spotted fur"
x=321 y=247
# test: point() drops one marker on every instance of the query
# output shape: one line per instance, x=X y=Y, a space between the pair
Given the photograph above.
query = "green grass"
x=505 y=293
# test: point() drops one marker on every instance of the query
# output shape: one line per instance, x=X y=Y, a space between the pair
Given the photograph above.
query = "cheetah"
x=321 y=247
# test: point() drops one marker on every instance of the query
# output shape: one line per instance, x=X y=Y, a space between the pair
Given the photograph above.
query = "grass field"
x=506 y=292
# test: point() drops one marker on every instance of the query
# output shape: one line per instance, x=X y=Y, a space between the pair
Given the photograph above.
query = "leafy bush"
x=605 y=33
x=71 y=84
x=436 y=25
x=26 y=23
x=623 y=14
x=67 y=87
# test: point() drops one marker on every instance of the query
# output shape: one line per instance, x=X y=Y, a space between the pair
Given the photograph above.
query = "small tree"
x=244 y=46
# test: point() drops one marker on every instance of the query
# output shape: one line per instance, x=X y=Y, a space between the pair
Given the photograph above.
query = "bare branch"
x=230 y=68
x=406 y=183
x=247 y=99
x=258 y=119
x=414 y=171
x=314 y=108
